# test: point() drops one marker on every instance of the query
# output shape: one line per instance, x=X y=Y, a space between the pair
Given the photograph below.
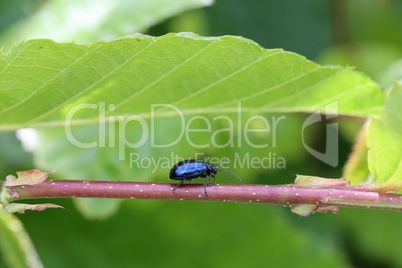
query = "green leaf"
x=20 y=208
x=356 y=169
x=28 y=177
x=307 y=209
x=303 y=209
x=385 y=142
x=42 y=83
x=318 y=182
x=86 y=21
x=17 y=247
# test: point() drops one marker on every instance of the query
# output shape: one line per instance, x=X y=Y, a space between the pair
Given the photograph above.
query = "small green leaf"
x=303 y=209
x=20 y=208
x=306 y=209
x=7 y=195
x=318 y=182
x=28 y=177
x=327 y=209
x=385 y=142
x=17 y=248
x=356 y=169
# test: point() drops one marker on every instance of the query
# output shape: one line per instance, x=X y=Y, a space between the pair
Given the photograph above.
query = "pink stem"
x=281 y=194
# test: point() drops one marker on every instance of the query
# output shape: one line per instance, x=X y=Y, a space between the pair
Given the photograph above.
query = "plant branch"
x=281 y=194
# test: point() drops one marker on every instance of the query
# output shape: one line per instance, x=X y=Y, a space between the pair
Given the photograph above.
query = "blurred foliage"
x=385 y=140
x=12 y=156
x=154 y=233
x=15 y=243
x=298 y=26
x=87 y=21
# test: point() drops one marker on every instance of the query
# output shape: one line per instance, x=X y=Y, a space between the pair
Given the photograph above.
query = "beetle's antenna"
x=223 y=162
x=229 y=172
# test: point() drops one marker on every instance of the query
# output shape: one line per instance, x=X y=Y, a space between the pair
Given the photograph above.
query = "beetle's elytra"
x=188 y=170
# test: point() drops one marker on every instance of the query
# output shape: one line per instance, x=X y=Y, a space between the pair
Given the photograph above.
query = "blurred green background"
x=148 y=233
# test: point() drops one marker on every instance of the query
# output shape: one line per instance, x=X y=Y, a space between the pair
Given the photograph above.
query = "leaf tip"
x=318 y=182
x=28 y=177
x=21 y=208
x=306 y=209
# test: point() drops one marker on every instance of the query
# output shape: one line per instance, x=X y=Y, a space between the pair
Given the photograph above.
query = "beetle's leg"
x=213 y=175
x=209 y=179
x=190 y=180
x=205 y=184
x=177 y=186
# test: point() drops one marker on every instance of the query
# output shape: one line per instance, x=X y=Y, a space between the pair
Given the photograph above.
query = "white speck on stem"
x=85 y=187
x=66 y=185
x=356 y=194
x=136 y=185
x=110 y=187
x=330 y=192
x=250 y=201
x=141 y=191
x=258 y=200
x=297 y=194
x=181 y=199
x=280 y=188
x=153 y=184
x=23 y=186
x=199 y=195
x=254 y=193
x=186 y=191
x=53 y=183
x=340 y=196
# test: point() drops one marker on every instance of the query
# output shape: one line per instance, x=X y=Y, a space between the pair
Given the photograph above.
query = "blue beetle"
x=188 y=170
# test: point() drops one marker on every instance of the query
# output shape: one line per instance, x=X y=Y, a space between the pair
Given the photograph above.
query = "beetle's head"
x=212 y=168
